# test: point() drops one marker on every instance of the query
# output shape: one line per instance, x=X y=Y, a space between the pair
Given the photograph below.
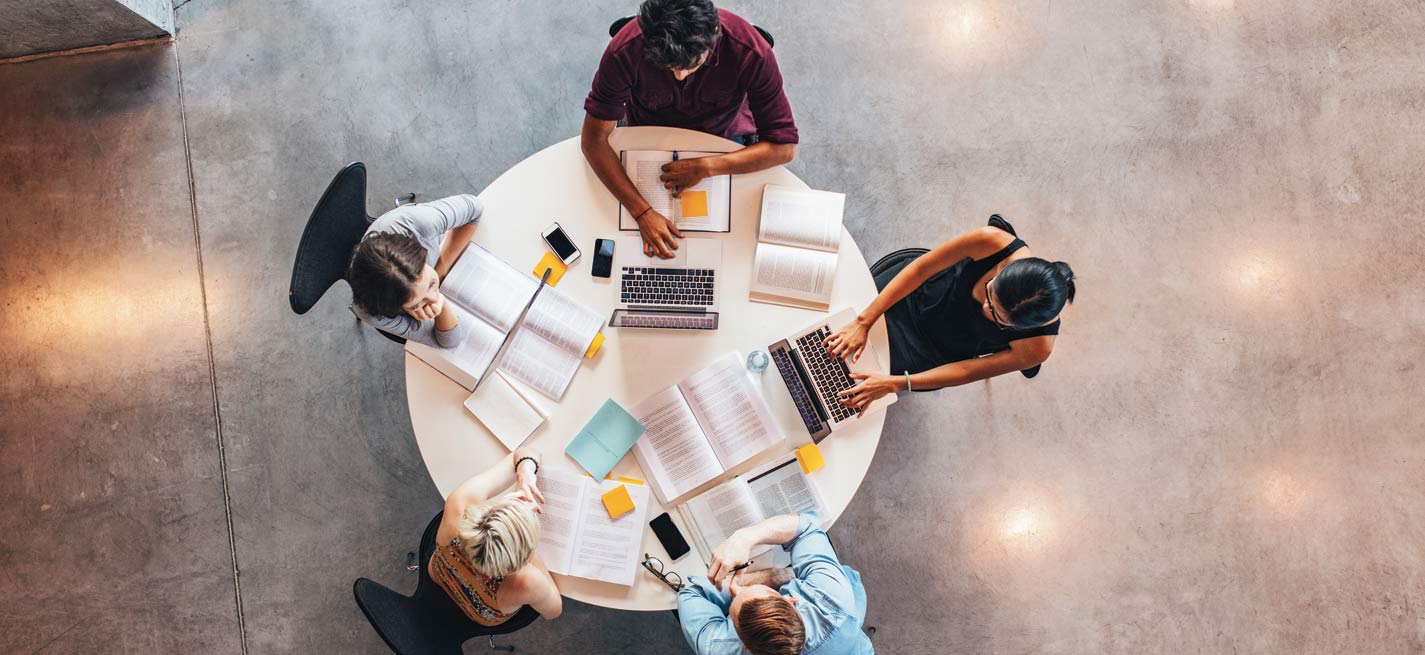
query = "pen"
x=675 y=158
x=739 y=567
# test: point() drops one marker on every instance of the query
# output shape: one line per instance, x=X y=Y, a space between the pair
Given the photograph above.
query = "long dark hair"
x=1033 y=291
x=382 y=270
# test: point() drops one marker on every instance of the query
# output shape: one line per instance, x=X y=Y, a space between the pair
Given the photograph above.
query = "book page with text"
x=559 y=518
x=723 y=510
x=468 y=360
x=607 y=549
x=540 y=363
x=563 y=321
x=674 y=453
x=801 y=217
x=782 y=488
x=796 y=274
x=645 y=167
x=488 y=287
x=731 y=411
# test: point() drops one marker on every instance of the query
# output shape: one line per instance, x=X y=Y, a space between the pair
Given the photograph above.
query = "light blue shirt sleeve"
x=818 y=575
x=702 y=610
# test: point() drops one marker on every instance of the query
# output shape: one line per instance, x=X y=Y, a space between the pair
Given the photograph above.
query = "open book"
x=704 y=207
x=489 y=295
x=771 y=490
x=705 y=425
x=576 y=535
x=797 y=242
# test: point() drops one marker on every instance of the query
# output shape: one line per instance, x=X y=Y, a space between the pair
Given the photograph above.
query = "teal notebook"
x=605 y=439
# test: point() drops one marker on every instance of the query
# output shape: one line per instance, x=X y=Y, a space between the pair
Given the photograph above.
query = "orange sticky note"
x=809 y=456
x=695 y=203
x=594 y=346
x=556 y=268
x=617 y=501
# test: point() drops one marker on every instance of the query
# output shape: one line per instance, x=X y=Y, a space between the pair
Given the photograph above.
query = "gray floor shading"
x=1221 y=456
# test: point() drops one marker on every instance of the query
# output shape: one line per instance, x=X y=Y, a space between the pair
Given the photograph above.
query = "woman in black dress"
x=978 y=306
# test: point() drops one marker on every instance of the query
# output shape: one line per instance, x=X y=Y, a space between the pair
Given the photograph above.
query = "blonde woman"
x=484 y=556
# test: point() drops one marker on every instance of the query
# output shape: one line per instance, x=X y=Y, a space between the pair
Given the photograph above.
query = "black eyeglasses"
x=670 y=578
x=989 y=300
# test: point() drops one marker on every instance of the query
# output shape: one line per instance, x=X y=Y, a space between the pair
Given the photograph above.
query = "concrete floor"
x=1223 y=456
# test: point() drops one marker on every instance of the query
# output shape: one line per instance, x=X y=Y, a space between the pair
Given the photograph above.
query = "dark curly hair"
x=1033 y=291
x=676 y=33
x=382 y=270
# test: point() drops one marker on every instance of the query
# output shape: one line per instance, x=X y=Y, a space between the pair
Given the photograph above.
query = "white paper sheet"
x=673 y=452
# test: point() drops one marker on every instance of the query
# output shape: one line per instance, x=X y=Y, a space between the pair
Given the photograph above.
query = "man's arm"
x=657 y=230
x=737 y=550
x=681 y=174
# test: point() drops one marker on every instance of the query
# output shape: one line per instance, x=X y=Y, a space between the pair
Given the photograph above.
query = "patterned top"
x=472 y=590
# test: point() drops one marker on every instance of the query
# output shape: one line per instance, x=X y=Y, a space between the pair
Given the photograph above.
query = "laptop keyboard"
x=668 y=287
x=783 y=360
x=829 y=374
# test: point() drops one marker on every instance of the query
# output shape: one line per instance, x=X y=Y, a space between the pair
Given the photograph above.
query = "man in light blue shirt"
x=815 y=607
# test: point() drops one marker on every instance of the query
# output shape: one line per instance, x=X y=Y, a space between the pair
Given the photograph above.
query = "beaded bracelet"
x=522 y=460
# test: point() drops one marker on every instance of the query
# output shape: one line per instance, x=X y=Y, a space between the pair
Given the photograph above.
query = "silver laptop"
x=668 y=294
x=814 y=377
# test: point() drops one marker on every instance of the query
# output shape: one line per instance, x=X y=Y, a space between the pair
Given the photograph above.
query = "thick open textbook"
x=797 y=246
x=701 y=427
x=774 y=489
x=576 y=535
x=489 y=295
x=705 y=206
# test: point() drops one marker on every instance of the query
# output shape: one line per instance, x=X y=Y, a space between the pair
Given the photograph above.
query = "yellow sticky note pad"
x=630 y=481
x=594 y=346
x=695 y=203
x=556 y=268
x=809 y=456
x=617 y=501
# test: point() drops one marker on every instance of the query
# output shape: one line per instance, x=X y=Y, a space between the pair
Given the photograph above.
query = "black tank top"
x=950 y=320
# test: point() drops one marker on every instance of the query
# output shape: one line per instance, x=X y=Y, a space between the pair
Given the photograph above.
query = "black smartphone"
x=603 y=257
x=669 y=536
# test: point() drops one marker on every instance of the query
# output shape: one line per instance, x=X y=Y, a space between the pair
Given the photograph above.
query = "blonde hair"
x=498 y=536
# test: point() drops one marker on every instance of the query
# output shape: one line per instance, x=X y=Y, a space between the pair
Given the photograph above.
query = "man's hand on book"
x=684 y=173
x=730 y=554
x=659 y=234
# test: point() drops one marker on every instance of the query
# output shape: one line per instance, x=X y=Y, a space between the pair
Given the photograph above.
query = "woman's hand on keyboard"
x=871 y=388
x=848 y=342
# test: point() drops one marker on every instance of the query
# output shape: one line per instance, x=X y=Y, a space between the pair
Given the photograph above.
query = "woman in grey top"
x=396 y=270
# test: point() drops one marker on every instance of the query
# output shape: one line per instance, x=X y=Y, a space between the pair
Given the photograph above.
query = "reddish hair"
x=770 y=625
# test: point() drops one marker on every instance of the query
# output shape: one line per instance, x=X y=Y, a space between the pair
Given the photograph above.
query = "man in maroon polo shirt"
x=686 y=64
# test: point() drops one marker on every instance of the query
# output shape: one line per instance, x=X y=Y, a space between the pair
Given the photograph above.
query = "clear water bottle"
x=757 y=361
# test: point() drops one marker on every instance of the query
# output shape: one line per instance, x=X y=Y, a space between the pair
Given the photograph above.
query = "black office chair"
x=618 y=25
x=335 y=227
x=428 y=622
x=894 y=262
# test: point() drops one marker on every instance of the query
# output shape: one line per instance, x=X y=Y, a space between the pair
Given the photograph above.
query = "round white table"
x=555 y=184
